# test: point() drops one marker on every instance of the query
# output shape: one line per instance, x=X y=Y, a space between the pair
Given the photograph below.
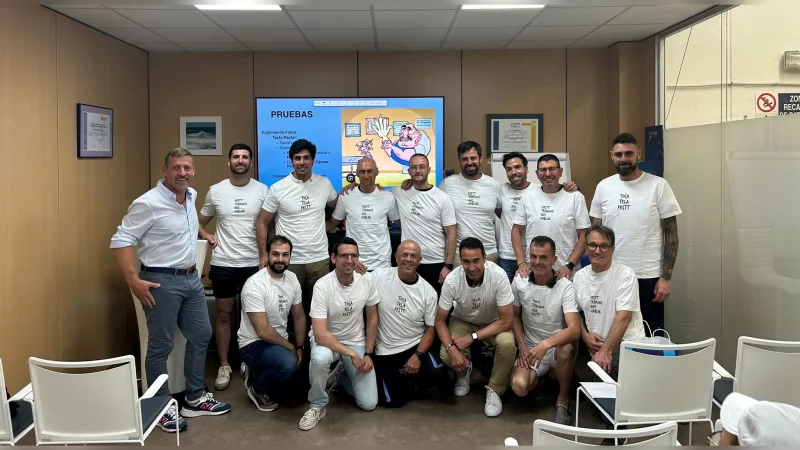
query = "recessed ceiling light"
x=239 y=7
x=502 y=6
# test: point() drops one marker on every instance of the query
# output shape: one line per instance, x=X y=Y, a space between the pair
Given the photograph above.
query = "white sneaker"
x=243 y=370
x=311 y=418
x=493 y=406
x=462 y=383
x=223 y=378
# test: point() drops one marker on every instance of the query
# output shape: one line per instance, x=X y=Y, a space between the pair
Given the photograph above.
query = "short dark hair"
x=512 y=155
x=345 y=241
x=419 y=155
x=604 y=231
x=548 y=157
x=278 y=240
x=300 y=145
x=471 y=243
x=624 y=138
x=467 y=146
x=541 y=241
x=240 y=147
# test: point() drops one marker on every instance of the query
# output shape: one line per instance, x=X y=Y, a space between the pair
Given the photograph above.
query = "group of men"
x=385 y=332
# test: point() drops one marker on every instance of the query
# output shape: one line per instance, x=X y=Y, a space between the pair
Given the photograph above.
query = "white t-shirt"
x=404 y=311
x=236 y=209
x=475 y=202
x=300 y=215
x=262 y=293
x=366 y=216
x=423 y=214
x=601 y=295
x=634 y=210
x=476 y=305
x=343 y=306
x=543 y=308
x=510 y=200
x=558 y=216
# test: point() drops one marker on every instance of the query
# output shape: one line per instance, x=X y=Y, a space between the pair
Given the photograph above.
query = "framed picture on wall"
x=202 y=135
x=95 y=131
x=514 y=133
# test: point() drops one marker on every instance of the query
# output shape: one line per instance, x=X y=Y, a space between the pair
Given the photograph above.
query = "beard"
x=240 y=170
x=625 y=171
x=471 y=170
x=276 y=270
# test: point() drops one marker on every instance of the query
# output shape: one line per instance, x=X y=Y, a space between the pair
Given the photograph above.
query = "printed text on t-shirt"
x=238 y=205
x=305 y=203
x=473 y=198
x=595 y=304
x=547 y=211
x=624 y=202
x=348 y=308
x=400 y=306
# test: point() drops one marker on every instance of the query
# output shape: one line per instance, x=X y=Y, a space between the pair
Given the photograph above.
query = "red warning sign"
x=766 y=102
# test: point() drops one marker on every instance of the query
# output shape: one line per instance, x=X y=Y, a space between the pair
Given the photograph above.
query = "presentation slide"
x=388 y=130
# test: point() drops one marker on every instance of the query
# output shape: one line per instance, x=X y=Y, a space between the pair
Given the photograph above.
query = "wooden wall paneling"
x=29 y=278
x=514 y=81
x=613 y=101
x=304 y=74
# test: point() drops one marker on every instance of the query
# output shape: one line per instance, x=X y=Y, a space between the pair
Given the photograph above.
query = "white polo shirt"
x=263 y=293
x=601 y=295
x=423 y=215
x=510 y=201
x=343 y=306
x=476 y=305
x=543 y=308
x=367 y=218
x=404 y=312
x=475 y=203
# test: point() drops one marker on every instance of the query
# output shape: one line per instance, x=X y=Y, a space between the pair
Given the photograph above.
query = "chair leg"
x=690 y=433
x=577 y=409
x=616 y=441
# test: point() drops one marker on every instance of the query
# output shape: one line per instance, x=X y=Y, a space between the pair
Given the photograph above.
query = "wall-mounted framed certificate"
x=95 y=131
x=514 y=133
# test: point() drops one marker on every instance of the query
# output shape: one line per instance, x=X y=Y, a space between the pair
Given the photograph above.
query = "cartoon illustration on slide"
x=410 y=142
x=365 y=147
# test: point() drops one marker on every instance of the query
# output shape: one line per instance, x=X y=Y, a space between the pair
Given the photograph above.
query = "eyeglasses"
x=603 y=247
x=347 y=255
x=548 y=169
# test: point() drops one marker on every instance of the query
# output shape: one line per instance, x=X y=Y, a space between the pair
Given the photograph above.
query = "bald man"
x=367 y=211
x=406 y=332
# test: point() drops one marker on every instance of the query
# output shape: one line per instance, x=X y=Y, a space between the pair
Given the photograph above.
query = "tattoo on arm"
x=669 y=253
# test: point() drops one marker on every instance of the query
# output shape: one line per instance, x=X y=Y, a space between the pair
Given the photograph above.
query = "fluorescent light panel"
x=239 y=7
x=502 y=6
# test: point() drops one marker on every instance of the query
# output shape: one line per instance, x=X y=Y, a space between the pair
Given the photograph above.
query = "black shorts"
x=229 y=281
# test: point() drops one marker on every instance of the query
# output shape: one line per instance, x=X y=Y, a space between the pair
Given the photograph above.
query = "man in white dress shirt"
x=163 y=222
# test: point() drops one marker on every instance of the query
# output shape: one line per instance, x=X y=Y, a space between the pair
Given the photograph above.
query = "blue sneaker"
x=171 y=421
x=204 y=406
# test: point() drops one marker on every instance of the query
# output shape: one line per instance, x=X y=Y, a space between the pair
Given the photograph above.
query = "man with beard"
x=553 y=212
x=642 y=211
x=267 y=298
x=235 y=202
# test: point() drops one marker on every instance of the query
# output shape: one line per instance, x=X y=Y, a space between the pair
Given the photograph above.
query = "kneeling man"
x=608 y=295
x=337 y=334
x=267 y=298
x=406 y=316
x=480 y=294
x=543 y=304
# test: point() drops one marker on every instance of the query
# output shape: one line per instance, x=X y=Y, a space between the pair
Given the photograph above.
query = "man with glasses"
x=553 y=212
x=608 y=295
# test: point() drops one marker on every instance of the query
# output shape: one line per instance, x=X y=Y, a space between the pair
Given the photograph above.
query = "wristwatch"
x=370 y=354
x=448 y=266
x=419 y=354
x=300 y=347
x=474 y=336
x=570 y=265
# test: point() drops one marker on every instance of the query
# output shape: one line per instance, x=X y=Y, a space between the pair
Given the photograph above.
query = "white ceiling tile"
x=99 y=18
x=539 y=44
x=592 y=43
x=667 y=14
x=206 y=35
x=134 y=35
x=408 y=46
x=213 y=46
x=160 y=47
x=472 y=45
x=250 y=19
x=86 y=6
x=620 y=32
x=554 y=33
x=252 y=36
x=281 y=46
x=151 y=18
x=557 y=17
x=339 y=36
x=414 y=19
x=412 y=35
x=482 y=34
x=326 y=20
x=333 y=47
x=495 y=18
x=150 y=6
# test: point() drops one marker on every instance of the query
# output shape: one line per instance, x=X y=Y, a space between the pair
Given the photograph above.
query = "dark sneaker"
x=204 y=406
x=262 y=401
x=563 y=415
x=333 y=377
x=171 y=421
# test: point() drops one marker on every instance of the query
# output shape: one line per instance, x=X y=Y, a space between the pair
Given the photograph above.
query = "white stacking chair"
x=78 y=405
x=653 y=389
x=12 y=430
x=177 y=381
x=547 y=434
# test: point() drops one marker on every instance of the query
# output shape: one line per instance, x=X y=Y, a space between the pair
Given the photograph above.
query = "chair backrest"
x=547 y=434
x=767 y=370
x=653 y=387
x=5 y=413
x=100 y=406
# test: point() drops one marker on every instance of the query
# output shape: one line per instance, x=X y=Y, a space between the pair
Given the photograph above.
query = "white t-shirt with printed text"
x=423 y=215
x=543 y=308
x=558 y=216
x=634 y=210
x=475 y=203
x=299 y=209
x=404 y=312
x=601 y=295
x=263 y=293
x=366 y=216
x=343 y=306
x=510 y=200
x=236 y=209
x=476 y=305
